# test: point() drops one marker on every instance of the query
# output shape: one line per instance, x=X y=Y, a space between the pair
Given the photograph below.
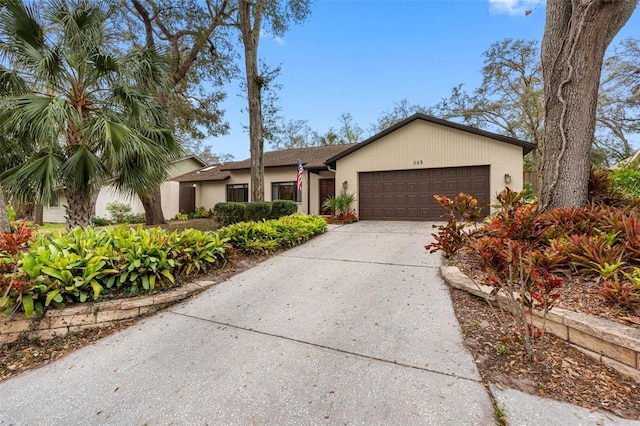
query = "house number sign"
x=417 y=162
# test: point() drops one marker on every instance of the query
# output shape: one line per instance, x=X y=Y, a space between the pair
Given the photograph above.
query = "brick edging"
x=613 y=344
x=59 y=322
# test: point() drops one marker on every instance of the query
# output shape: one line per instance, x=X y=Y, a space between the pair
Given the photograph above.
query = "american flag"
x=299 y=176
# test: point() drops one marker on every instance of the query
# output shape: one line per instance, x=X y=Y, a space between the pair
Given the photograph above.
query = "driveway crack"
x=368 y=262
x=330 y=348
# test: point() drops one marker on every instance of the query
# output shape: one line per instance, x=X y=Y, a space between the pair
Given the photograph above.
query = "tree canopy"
x=81 y=111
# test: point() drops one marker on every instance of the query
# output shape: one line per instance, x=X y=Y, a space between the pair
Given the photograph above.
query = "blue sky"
x=361 y=56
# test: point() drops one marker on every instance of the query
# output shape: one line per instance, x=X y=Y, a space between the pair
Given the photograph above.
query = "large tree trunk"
x=576 y=36
x=79 y=209
x=250 y=39
x=153 y=209
x=39 y=214
x=4 y=219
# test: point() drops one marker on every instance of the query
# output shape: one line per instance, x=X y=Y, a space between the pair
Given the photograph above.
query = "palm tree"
x=86 y=111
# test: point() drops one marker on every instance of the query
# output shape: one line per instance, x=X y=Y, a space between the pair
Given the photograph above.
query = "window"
x=238 y=193
x=285 y=191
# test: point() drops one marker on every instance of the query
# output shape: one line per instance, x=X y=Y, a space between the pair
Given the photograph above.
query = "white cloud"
x=279 y=40
x=511 y=7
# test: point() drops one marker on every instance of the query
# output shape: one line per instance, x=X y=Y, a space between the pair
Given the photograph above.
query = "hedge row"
x=230 y=213
x=267 y=236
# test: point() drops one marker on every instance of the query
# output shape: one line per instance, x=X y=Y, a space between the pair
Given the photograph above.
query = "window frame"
x=237 y=186
x=275 y=191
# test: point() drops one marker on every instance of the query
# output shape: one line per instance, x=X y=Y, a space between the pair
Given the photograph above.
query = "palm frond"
x=82 y=171
x=21 y=22
x=37 y=178
x=11 y=82
x=44 y=117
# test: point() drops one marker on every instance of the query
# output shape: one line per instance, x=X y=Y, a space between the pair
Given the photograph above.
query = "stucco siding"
x=183 y=166
x=423 y=145
x=170 y=192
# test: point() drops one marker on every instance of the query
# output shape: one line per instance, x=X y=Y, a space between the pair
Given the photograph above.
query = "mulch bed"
x=558 y=370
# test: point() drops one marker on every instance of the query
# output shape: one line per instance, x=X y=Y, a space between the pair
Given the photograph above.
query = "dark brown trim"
x=527 y=147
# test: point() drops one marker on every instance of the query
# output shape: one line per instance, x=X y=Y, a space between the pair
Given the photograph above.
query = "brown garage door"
x=408 y=194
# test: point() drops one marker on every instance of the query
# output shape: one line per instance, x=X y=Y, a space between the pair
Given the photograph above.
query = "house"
x=170 y=193
x=394 y=174
x=231 y=181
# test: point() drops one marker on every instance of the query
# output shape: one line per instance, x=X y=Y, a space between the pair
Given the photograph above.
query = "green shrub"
x=280 y=208
x=340 y=203
x=270 y=235
x=529 y=196
x=228 y=213
x=100 y=221
x=135 y=218
x=88 y=263
x=200 y=213
x=181 y=216
x=626 y=180
x=257 y=210
x=11 y=213
x=119 y=212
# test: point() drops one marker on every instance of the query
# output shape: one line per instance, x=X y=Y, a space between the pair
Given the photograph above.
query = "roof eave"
x=527 y=147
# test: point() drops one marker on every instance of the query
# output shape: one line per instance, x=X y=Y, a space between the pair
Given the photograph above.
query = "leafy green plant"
x=229 y=213
x=11 y=213
x=257 y=211
x=199 y=213
x=266 y=237
x=626 y=180
x=86 y=264
x=119 y=211
x=100 y=221
x=280 y=208
x=341 y=203
x=181 y=216
x=135 y=218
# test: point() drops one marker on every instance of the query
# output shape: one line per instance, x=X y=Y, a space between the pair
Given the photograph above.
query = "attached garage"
x=408 y=194
x=396 y=173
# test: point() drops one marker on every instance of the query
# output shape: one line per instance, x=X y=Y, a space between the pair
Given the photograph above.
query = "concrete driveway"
x=354 y=327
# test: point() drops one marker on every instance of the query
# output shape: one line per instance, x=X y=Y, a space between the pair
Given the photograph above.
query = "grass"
x=48 y=228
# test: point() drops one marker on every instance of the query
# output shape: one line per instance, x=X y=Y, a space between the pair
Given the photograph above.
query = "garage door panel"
x=408 y=194
x=465 y=185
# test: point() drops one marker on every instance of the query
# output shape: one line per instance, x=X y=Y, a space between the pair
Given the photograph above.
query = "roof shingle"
x=312 y=158
x=208 y=173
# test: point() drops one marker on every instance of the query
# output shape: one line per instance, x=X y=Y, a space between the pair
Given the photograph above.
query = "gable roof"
x=527 y=147
x=312 y=158
x=208 y=173
x=191 y=157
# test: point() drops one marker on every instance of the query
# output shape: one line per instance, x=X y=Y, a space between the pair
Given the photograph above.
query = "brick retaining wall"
x=59 y=322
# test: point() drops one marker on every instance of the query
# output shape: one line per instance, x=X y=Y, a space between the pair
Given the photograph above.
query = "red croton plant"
x=14 y=288
x=521 y=248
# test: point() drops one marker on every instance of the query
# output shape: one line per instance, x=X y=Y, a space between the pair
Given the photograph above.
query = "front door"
x=327 y=189
x=187 y=200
